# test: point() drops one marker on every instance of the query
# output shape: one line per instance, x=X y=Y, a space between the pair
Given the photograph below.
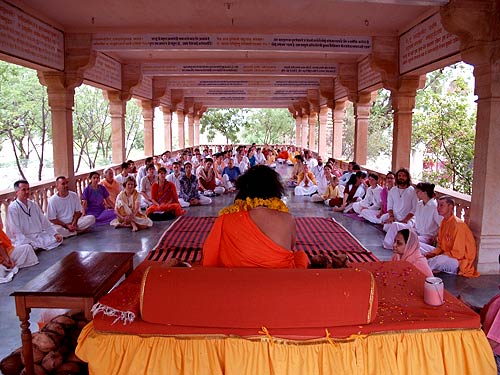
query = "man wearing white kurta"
x=64 y=211
x=26 y=223
x=401 y=201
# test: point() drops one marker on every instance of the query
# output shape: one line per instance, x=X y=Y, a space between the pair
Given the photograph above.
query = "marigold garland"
x=249 y=203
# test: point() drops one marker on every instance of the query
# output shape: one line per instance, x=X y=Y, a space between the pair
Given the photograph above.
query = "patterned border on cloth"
x=315 y=235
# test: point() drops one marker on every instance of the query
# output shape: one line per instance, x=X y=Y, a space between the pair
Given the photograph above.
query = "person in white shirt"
x=175 y=178
x=347 y=174
x=142 y=170
x=259 y=157
x=426 y=221
x=401 y=201
x=123 y=174
x=64 y=211
x=319 y=169
x=309 y=160
x=146 y=183
x=372 y=199
x=26 y=223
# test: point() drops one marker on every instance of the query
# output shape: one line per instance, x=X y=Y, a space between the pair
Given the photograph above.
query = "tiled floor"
x=477 y=291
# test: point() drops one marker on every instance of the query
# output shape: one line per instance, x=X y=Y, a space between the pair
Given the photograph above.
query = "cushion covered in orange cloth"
x=257 y=297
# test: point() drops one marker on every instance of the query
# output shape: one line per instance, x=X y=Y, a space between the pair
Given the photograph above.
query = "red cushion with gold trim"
x=257 y=297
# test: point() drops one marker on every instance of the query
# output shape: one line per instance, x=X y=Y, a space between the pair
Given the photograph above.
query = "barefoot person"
x=128 y=208
x=257 y=230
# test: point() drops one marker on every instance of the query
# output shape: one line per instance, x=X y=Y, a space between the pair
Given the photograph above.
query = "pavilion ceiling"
x=262 y=74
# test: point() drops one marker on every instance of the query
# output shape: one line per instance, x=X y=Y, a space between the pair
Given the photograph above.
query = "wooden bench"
x=75 y=282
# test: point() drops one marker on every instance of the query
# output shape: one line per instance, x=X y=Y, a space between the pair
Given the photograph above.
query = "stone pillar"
x=190 y=121
x=61 y=102
x=148 y=114
x=323 y=119
x=476 y=25
x=180 y=126
x=167 y=128
x=197 y=130
x=361 y=116
x=117 y=111
x=305 y=121
x=338 y=125
x=313 y=118
x=403 y=102
x=298 y=131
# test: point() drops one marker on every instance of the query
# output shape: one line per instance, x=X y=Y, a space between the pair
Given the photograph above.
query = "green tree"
x=270 y=126
x=227 y=122
x=91 y=127
x=134 y=137
x=24 y=115
x=444 y=122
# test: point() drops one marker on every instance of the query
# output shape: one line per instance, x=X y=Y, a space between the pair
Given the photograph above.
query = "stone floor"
x=477 y=291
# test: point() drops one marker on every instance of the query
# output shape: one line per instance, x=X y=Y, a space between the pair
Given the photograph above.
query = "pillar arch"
x=323 y=121
x=167 y=128
x=180 y=127
x=313 y=119
x=361 y=118
x=298 y=131
x=338 y=125
x=61 y=102
x=197 y=119
x=190 y=123
x=117 y=112
x=148 y=116
x=304 y=127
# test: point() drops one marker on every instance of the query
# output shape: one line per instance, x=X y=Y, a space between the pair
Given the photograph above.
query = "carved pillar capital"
x=385 y=59
x=348 y=78
x=131 y=77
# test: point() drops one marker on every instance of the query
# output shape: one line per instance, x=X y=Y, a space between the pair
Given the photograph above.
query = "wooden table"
x=75 y=282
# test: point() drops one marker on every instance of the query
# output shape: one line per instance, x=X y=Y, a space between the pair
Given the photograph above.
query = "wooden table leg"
x=27 y=347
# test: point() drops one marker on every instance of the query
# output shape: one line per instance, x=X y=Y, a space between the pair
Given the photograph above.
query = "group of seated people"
x=169 y=183
x=445 y=242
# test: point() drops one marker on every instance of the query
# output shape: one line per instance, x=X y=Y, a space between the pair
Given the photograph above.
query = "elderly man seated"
x=64 y=211
x=456 y=250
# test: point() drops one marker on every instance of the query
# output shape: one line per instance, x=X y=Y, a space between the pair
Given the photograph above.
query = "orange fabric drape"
x=235 y=241
x=405 y=352
x=6 y=243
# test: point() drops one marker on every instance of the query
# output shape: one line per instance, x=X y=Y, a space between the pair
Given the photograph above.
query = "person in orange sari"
x=257 y=230
x=164 y=196
x=456 y=250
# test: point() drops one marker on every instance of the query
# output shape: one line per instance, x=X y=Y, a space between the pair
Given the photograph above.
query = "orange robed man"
x=257 y=230
x=456 y=248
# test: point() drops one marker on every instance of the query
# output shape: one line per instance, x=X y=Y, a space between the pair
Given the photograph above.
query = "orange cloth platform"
x=406 y=337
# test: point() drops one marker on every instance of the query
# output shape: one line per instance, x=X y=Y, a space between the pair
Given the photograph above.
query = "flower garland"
x=249 y=203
